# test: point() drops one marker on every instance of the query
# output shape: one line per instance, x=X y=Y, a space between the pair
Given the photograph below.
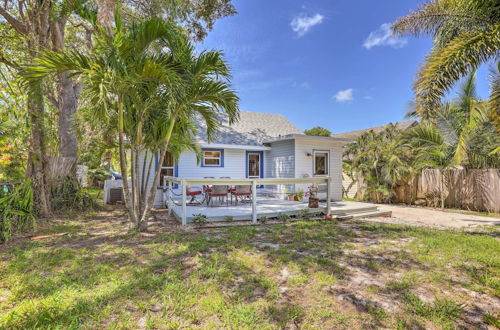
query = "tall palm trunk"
x=123 y=162
x=143 y=224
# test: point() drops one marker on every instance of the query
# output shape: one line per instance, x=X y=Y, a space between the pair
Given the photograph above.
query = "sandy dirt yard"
x=412 y=215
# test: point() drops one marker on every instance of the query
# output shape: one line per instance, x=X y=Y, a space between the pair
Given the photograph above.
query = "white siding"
x=234 y=165
x=286 y=159
x=280 y=164
x=304 y=164
x=281 y=160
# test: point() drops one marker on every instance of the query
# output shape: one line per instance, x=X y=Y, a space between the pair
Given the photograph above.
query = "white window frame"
x=211 y=157
x=161 y=168
x=327 y=167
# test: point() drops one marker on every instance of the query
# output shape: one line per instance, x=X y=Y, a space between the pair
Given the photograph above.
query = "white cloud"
x=383 y=37
x=302 y=23
x=344 y=95
x=368 y=97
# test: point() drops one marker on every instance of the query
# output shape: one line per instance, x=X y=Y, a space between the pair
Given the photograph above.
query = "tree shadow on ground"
x=147 y=263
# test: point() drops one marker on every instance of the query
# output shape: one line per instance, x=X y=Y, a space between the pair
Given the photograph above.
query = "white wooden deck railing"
x=184 y=182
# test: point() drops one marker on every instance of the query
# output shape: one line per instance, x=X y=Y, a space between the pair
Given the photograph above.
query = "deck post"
x=184 y=199
x=328 y=195
x=254 y=201
x=169 y=197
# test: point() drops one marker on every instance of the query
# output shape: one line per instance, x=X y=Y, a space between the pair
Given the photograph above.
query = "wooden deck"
x=269 y=207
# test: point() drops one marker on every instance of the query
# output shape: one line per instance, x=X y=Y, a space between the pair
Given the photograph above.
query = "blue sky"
x=323 y=62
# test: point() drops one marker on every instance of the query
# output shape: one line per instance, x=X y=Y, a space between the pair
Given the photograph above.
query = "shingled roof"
x=352 y=135
x=253 y=128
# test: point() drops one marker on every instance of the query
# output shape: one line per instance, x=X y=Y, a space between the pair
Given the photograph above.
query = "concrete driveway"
x=432 y=217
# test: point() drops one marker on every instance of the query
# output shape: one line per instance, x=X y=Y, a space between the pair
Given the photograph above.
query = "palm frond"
x=447 y=19
x=425 y=134
x=495 y=96
x=143 y=34
x=51 y=62
x=444 y=66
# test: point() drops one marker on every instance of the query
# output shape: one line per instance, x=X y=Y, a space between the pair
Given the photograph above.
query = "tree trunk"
x=36 y=40
x=148 y=205
x=67 y=102
x=106 y=14
x=37 y=167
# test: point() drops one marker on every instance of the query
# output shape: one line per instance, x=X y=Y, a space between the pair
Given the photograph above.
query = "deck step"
x=370 y=214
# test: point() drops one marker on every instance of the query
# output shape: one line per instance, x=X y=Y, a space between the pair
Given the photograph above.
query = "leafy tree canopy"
x=318 y=131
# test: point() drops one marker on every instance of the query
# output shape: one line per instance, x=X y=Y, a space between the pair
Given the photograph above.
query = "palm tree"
x=199 y=97
x=466 y=34
x=495 y=95
x=148 y=80
x=449 y=138
x=430 y=150
x=382 y=162
x=460 y=121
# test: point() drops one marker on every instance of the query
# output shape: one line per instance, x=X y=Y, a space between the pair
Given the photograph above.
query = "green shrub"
x=199 y=219
x=16 y=210
x=69 y=195
x=97 y=177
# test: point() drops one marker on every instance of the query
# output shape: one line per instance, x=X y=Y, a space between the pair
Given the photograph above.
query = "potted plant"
x=313 y=199
x=289 y=195
x=299 y=195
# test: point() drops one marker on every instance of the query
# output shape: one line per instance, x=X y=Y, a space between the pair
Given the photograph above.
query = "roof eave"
x=341 y=141
x=234 y=146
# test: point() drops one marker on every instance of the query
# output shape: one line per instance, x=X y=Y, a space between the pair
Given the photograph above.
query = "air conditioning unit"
x=115 y=195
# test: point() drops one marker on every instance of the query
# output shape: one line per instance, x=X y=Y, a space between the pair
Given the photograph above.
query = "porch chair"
x=193 y=192
x=217 y=191
x=229 y=188
x=242 y=191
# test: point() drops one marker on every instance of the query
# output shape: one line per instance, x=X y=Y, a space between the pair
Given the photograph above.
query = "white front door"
x=254 y=165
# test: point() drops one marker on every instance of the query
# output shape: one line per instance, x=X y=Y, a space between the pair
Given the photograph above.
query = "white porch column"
x=254 y=201
x=328 y=195
x=184 y=198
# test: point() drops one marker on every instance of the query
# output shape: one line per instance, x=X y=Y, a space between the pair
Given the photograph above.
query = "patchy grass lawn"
x=304 y=274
